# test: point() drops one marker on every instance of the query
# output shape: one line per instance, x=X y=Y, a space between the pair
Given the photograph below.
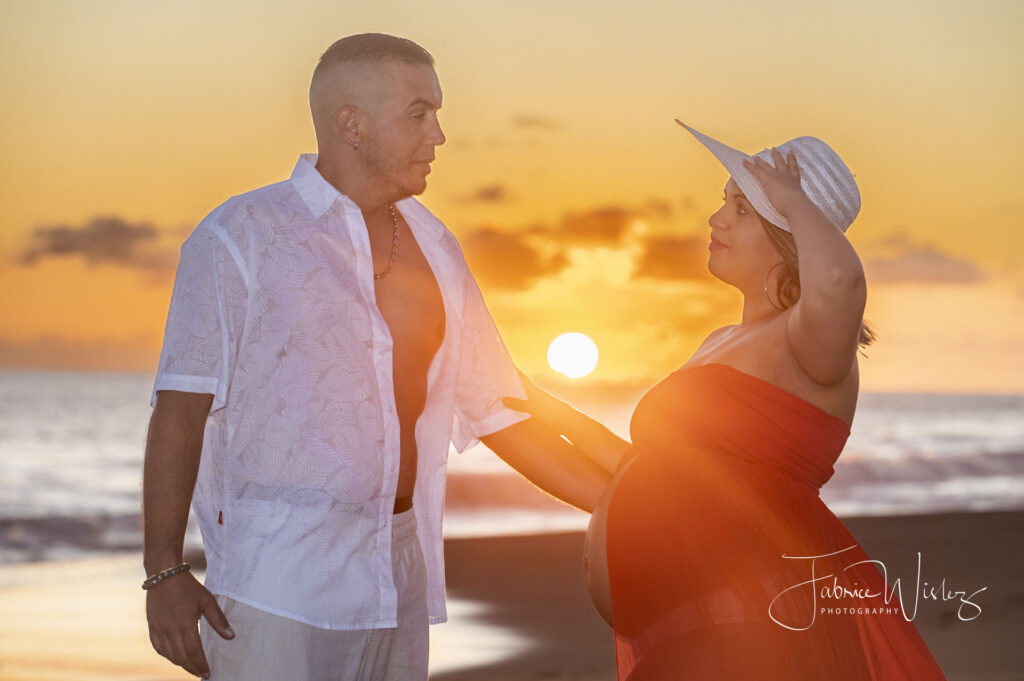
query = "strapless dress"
x=718 y=545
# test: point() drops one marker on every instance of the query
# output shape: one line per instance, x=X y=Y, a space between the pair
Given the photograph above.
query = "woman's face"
x=740 y=252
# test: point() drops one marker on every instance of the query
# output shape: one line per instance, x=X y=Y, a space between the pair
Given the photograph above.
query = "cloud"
x=535 y=122
x=673 y=257
x=607 y=225
x=902 y=261
x=102 y=240
x=490 y=193
x=688 y=202
x=507 y=260
x=595 y=227
x=658 y=208
x=516 y=259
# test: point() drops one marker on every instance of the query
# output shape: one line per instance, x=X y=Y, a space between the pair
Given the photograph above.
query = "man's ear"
x=347 y=124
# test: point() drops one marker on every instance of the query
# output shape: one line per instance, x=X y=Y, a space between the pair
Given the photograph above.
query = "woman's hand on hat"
x=782 y=182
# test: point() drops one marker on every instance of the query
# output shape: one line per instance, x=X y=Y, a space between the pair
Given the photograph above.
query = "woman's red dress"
x=710 y=536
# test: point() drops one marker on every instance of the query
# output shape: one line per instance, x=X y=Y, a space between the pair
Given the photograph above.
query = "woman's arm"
x=824 y=325
x=588 y=436
x=549 y=462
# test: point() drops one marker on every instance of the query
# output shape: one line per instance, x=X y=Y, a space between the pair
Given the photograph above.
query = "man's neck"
x=371 y=200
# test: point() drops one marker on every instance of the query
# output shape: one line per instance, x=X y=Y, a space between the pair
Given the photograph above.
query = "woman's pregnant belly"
x=595 y=555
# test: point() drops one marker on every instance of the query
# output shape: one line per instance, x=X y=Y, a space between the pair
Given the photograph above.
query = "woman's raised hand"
x=782 y=182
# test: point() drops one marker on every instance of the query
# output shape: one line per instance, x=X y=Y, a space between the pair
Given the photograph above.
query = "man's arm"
x=173 y=607
x=549 y=462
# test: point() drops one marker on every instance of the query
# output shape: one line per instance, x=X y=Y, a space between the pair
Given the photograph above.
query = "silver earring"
x=355 y=145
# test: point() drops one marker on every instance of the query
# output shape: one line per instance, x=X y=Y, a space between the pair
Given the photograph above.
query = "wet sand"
x=534 y=586
x=518 y=608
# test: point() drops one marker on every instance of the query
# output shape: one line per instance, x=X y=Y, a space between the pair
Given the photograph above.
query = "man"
x=325 y=342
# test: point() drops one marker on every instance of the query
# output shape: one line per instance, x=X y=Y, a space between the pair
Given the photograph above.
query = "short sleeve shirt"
x=273 y=312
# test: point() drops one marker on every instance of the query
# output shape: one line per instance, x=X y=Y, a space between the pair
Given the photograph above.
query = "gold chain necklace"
x=394 y=248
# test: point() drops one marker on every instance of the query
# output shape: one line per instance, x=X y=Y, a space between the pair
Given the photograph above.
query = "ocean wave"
x=61 y=536
x=926 y=468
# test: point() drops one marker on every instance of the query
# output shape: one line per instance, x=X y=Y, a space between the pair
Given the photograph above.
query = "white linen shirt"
x=273 y=312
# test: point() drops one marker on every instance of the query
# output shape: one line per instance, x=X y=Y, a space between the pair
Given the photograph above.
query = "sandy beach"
x=518 y=608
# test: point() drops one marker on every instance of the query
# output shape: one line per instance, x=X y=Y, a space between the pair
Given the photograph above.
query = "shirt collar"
x=319 y=195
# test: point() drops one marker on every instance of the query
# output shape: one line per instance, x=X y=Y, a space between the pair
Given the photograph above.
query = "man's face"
x=404 y=130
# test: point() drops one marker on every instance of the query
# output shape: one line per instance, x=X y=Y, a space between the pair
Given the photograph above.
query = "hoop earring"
x=766 y=277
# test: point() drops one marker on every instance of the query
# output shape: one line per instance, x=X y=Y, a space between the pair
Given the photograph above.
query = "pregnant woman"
x=710 y=552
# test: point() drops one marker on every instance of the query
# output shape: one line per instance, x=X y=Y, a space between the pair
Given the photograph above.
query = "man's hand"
x=173 y=608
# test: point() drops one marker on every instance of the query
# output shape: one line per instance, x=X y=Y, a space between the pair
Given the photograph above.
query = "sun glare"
x=572 y=354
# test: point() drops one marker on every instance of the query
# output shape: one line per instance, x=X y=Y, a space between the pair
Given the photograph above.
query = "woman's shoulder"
x=716 y=335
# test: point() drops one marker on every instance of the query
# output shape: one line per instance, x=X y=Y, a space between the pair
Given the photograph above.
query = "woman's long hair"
x=787 y=289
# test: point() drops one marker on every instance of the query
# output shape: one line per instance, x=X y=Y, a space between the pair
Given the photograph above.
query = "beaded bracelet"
x=153 y=580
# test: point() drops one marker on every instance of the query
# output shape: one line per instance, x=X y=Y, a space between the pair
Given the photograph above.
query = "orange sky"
x=127 y=119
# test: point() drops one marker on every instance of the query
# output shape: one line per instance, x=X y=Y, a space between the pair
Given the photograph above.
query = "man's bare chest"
x=410 y=300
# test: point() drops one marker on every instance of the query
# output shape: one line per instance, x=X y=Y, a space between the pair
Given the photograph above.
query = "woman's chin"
x=716 y=270
x=722 y=271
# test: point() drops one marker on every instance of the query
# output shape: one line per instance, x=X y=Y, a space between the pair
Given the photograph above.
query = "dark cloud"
x=595 y=227
x=892 y=241
x=673 y=257
x=490 y=193
x=688 y=203
x=535 y=122
x=507 y=260
x=102 y=240
x=902 y=261
x=657 y=208
x=514 y=260
x=605 y=226
x=1010 y=209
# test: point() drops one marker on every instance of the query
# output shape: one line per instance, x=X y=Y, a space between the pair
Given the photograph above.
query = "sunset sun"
x=572 y=354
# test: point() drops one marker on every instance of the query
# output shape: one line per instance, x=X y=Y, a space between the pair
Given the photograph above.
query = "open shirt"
x=273 y=312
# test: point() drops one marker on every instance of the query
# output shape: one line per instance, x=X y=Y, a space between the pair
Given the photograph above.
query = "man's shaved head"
x=375 y=100
x=356 y=71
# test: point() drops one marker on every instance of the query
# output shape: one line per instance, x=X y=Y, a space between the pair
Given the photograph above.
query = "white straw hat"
x=823 y=176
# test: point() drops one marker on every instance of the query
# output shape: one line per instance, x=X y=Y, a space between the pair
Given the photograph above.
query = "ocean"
x=71 y=448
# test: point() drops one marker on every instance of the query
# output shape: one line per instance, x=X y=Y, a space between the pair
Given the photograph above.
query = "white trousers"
x=269 y=647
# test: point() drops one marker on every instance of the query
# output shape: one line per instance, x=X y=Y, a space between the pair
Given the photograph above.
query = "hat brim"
x=751 y=187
